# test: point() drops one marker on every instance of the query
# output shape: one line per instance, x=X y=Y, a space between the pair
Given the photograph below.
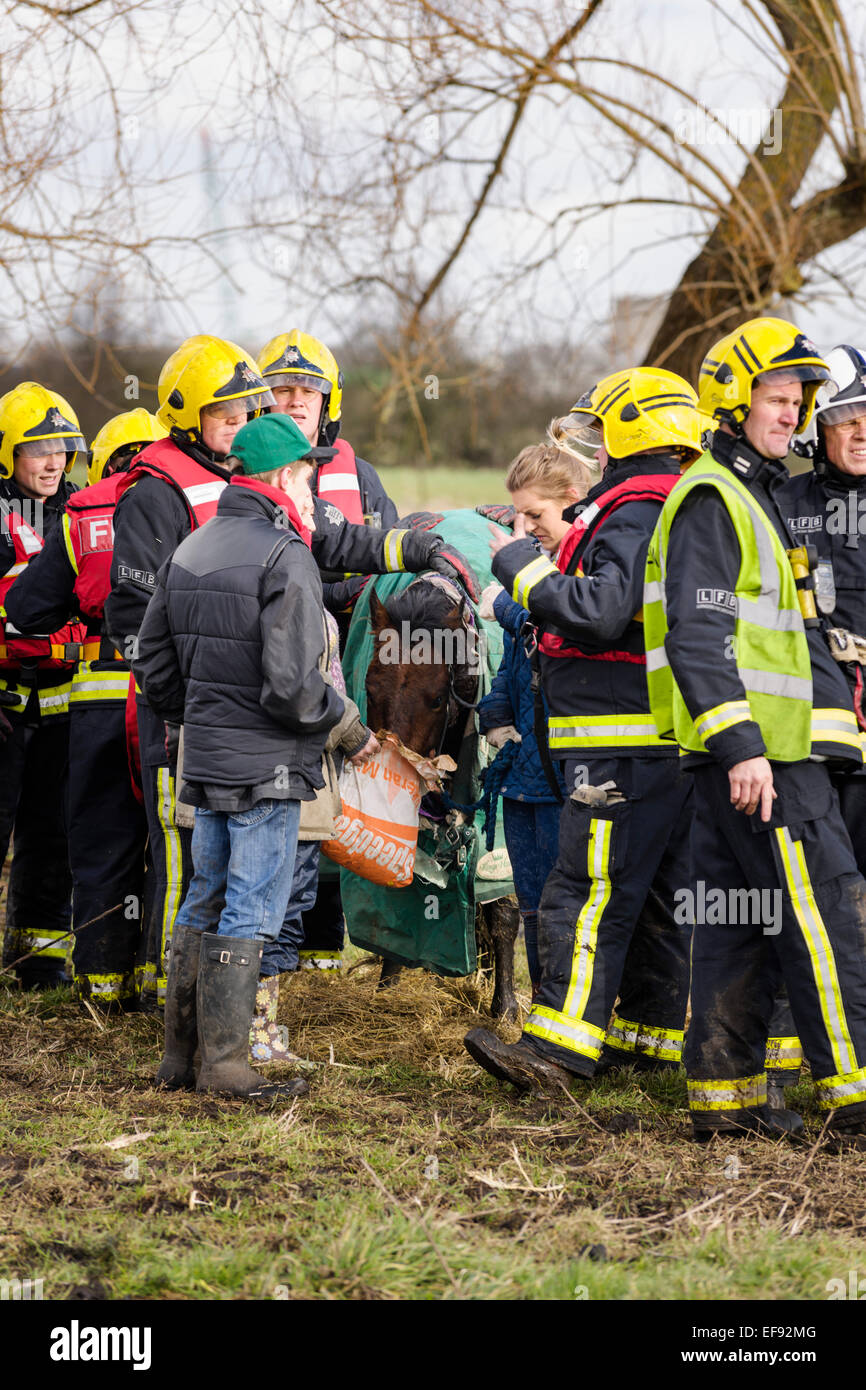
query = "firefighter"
x=610 y=901
x=40 y=440
x=741 y=675
x=308 y=385
x=826 y=508
x=107 y=827
x=208 y=389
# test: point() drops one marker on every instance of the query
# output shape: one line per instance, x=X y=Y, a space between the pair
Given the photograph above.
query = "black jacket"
x=230 y=647
x=598 y=611
x=828 y=510
x=703 y=563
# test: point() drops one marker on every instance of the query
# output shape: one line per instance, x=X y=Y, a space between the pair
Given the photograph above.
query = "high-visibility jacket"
x=337 y=482
x=770 y=648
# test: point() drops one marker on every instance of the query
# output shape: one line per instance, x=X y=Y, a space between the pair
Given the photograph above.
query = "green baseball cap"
x=273 y=441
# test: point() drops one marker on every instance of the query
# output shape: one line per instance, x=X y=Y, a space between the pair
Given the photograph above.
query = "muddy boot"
x=517 y=1062
x=228 y=979
x=177 y=1069
x=771 y=1124
x=269 y=1040
x=777 y=1084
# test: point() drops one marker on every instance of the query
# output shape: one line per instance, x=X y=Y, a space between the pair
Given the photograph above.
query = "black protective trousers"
x=107 y=836
x=33 y=767
x=788 y=905
x=613 y=920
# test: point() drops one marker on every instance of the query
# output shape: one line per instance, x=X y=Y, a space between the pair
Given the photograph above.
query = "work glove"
x=449 y=561
x=502 y=512
x=342 y=595
x=172 y=741
x=422 y=521
x=488 y=598
x=506 y=733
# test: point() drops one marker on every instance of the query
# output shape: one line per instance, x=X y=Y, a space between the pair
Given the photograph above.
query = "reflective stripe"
x=165 y=807
x=783 y=1054
x=67 y=541
x=722 y=717
x=54 y=699
x=394 y=550
x=738 y=1094
x=203 y=492
x=821 y=955
x=337 y=482
x=98 y=685
x=574 y=1035
x=834 y=1091
x=620 y=730
x=586 y=929
x=763 y=612
x=526 y=578
x=664 y=1043
x=774 y=683
x=106 y=987
x=49 y=943
x=320 y=960
x=16 y=569
x=836 y=726
x=654 y=592
x=656 y=658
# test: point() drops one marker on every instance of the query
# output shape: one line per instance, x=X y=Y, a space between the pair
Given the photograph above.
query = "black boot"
x=771 y=1124
x=228 y=978
x=517 y=1062
x=177 y=1069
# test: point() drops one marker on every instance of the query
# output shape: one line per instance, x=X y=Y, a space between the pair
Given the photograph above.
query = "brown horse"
x=422 y=684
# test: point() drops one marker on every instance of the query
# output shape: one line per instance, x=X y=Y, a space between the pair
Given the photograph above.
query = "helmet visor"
x=57 y=444
x=239 y=405
x=780 y=375
x=843 y=413
x=578 y=434
x=312 y=383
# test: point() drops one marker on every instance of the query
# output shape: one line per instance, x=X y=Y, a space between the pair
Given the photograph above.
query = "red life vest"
x=88 y=530
x=197 y=485
x=337 y=482
x=56 y=651
x=647 y=487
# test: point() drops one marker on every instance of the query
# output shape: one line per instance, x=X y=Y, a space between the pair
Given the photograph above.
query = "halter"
x=467 y=618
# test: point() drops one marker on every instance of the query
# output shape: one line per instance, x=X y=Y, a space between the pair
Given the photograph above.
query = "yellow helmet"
x=213 y=372
x=172 y=366
x=753 y=351
x=642 y=408
x=127 y=433
x=297 y=359
x=30 y=415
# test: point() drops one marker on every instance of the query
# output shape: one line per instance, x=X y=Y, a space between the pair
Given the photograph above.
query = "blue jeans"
x=532 y=840
x=281 y=954
x=242 y=870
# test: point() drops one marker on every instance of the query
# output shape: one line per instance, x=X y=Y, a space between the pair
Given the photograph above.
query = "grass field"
x=405 y=1174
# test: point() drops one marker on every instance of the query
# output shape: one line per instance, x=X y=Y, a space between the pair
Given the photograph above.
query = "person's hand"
x=752 y=783
x=172 y=743
x=452 y=563
x=499 y=538
x=506 y=733
x=370 y=749
x=489 y=595
x=503 y=512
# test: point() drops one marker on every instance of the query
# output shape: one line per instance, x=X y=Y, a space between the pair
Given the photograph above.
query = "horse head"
x=424 y=670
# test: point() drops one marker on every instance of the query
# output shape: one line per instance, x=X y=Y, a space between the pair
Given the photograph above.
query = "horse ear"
x=378 y=613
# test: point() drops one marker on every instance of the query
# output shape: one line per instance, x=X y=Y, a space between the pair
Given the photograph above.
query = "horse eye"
x=436 y=703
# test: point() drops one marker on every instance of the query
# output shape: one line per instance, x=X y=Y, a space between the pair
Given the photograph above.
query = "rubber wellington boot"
x=517 y=1062
x=269 y=1040
x=177 y=1069
x=228 y=979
